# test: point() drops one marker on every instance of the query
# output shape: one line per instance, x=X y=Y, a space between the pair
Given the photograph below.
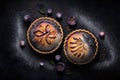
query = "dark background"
x=107 y=12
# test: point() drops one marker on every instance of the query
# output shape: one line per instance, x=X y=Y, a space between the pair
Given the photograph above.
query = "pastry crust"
x=45 y=35
x=77 y=47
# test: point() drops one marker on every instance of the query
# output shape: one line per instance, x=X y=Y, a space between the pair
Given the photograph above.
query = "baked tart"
x=80 y=46
x=45 y=35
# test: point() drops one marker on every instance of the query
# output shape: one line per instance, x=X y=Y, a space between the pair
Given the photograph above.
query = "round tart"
x=80 y=46
x=45 y=35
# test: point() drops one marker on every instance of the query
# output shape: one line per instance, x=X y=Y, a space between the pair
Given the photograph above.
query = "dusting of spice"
x=103 y=54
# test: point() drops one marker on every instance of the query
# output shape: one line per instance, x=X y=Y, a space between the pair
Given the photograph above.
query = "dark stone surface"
x=11 y=67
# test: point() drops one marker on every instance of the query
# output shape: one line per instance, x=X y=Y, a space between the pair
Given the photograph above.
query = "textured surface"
x=95 y=16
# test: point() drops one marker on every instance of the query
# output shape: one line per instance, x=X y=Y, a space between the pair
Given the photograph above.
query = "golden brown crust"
x=68 y=39
x=48 y=38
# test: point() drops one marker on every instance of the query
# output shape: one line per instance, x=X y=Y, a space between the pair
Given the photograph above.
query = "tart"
x=80 y=46
x=45 y=35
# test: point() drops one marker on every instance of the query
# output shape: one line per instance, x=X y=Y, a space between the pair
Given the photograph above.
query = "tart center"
x=78 y=47
x=45 y=34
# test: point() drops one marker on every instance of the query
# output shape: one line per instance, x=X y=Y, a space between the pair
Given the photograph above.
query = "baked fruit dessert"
x=45 y=35
x=80 y=46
